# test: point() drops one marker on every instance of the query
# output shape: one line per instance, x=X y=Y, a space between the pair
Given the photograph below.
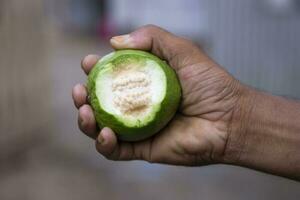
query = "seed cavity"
x=132 y=93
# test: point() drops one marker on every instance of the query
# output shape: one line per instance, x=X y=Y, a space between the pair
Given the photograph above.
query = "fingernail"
x=119 y=40
x=100 y=138
x=88 y=99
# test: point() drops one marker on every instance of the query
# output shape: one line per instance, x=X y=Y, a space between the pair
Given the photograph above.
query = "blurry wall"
x=258 y=41
x=188 y=18
x=25 y=113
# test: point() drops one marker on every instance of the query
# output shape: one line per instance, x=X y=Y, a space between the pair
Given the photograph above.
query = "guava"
x=134 y=93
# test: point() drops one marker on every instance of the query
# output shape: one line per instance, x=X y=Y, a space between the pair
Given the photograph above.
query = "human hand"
x=199 y=132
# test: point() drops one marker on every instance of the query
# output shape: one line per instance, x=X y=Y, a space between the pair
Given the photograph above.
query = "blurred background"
x=42 y=153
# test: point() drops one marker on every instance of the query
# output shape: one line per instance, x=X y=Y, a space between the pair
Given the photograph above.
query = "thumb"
x=177 y=51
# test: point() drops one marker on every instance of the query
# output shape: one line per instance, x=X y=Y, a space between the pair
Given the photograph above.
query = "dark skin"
x=219 y=120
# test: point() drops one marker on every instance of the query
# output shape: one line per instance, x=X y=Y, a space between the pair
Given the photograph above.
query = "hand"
x=199 y=132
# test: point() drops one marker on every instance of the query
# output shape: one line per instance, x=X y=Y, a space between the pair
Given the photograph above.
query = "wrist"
x=238 y=125
x=264 y=134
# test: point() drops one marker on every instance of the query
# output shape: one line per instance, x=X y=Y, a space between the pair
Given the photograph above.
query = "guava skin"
x=168 y=106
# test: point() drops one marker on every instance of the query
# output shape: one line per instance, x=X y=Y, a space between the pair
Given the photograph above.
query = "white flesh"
x=132 y=93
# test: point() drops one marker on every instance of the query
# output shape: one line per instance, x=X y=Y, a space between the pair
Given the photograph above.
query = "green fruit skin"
x=168 y=108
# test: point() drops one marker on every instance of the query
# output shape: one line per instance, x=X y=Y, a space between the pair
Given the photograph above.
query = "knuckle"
x=187 y=44
x=150 y=28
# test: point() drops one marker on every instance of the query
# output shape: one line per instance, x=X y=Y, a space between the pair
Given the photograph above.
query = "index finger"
x=88 y=62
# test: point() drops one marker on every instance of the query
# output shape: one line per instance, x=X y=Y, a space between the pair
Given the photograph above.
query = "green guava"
x=134 y=93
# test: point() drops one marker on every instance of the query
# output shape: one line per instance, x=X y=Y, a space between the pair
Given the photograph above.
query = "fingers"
x=86 y=119
x=88 y=62
x=108 y=145
x=161 y=43
x=79 y=94
x=87 y=122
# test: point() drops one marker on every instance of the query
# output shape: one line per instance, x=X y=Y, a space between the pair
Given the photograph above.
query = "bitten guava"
x=134 y=93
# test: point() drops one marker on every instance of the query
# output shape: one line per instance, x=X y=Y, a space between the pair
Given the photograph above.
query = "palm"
x=199 y=130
